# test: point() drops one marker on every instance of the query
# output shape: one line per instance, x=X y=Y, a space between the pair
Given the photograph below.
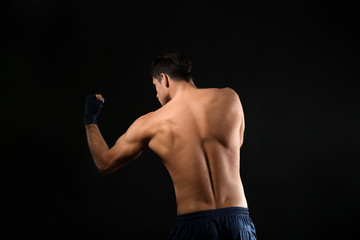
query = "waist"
x=228 y=211
x=201 y=203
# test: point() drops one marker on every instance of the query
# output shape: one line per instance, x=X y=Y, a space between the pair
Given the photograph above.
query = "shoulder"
x=140 y=126
x=146 y=125
x=228 y=93
x=141 y=130
x=232 y=98
x=144 y=120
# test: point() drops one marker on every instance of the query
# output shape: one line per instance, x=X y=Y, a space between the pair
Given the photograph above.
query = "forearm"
x=98 y=146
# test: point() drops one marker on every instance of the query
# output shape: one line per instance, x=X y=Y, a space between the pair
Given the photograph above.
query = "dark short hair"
x=174 y=64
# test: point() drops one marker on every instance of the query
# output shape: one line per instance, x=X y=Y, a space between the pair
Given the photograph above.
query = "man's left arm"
x=128 y=147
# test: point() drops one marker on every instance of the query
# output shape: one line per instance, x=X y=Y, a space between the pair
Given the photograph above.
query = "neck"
x=181 y=87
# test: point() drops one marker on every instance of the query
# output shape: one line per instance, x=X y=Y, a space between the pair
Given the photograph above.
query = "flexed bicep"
x=129 y=145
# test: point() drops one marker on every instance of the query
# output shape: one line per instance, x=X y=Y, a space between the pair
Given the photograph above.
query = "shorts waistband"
x=214 y=213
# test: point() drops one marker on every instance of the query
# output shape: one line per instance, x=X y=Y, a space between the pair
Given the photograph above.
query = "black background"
x=294 y=65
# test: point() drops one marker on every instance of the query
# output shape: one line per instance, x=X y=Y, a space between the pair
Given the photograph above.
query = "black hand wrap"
x=92 y=109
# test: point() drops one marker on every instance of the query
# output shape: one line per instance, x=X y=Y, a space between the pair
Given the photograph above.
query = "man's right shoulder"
x=230 y=93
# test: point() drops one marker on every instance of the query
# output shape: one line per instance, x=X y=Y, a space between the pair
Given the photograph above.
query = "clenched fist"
x=93 y=104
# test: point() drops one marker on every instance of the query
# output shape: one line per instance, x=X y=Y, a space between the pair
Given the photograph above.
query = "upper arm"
x=129 y=145
x=239 y=108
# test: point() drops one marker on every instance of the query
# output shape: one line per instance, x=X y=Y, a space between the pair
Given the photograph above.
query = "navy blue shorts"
x=223 y=223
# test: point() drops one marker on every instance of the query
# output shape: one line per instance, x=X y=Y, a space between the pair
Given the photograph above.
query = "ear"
x=162 y=77
x=165 y=80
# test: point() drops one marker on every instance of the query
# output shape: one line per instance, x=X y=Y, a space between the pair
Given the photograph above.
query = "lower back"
x=204 y=182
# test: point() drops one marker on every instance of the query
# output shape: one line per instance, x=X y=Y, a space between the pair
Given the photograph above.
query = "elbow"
x=104 y=171
x=102 y=166
x=107 y=165
x=108 y=168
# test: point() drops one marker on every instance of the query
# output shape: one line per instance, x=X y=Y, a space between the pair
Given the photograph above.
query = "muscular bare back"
x=198 y=135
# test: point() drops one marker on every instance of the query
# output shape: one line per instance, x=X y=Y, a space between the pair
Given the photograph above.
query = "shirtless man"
x=198 y=134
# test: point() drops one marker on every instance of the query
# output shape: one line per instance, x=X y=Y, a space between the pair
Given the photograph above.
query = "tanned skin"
x=197 y=133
